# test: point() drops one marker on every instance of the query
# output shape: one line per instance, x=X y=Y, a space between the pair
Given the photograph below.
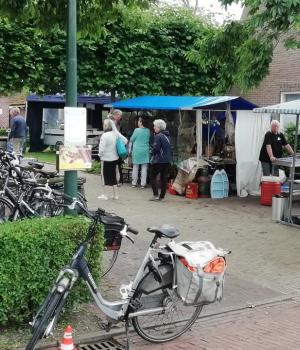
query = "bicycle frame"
x=116 y=310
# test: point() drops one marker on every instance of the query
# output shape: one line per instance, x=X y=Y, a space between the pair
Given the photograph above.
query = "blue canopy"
x=102 y=100
x=184 y=103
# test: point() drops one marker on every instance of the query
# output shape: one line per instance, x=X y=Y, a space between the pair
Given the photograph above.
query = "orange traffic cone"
x=66 y=342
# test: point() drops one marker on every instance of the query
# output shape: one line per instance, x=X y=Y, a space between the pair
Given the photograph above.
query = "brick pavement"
x=271 y=327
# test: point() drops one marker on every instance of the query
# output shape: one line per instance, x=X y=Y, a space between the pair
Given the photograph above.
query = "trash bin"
x=279 y=202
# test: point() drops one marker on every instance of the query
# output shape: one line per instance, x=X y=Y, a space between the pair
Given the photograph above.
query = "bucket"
x=204 y=189
x=268 y=190
x=191 y=190
x=279 y=203
x=285 y=188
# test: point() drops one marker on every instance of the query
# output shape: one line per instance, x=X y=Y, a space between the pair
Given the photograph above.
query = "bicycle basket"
x=200 y=272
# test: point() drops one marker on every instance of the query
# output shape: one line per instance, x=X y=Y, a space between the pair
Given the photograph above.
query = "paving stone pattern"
x=272 y=327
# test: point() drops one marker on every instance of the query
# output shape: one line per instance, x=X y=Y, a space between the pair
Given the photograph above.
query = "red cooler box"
x=268 y=190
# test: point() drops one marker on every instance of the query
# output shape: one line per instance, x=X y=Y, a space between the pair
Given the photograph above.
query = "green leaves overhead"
x=140 y=52
x=238 y=57
x=272 y=18
x=45 y=13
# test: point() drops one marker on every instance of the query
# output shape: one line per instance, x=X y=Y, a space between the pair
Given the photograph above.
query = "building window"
x=286 y=119
x=290 y=96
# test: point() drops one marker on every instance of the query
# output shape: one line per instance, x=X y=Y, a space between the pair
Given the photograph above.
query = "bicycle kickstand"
x=129 y=346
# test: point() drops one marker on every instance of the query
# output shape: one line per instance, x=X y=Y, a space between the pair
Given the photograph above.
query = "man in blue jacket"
x=18 y=130
x=161 y=159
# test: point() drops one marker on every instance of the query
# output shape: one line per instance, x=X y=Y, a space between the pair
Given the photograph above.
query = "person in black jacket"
x=272 y=148
x=161 y=159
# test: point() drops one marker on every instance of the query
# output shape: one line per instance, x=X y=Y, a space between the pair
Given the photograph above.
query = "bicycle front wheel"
x=6 y=210
x=167 y=325
x=109 y=257
x=45 y=320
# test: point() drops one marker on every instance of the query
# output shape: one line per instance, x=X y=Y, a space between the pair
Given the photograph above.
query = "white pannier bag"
x=200 y=271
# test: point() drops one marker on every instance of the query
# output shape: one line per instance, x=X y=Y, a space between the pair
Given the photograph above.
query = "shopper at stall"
x=160 y=160
x=109 y=156
x=139 y=149
x=272 y=148
x=116 y=117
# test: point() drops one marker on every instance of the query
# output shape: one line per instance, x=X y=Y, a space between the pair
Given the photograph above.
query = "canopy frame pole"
x=208 y=132
x=199 y=134
x=292 y=176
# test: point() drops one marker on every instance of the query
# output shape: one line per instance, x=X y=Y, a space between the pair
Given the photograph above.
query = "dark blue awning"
x=183 y=103
x=100 y=100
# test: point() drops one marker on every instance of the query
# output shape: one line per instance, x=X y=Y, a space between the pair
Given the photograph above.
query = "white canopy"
x=292 y=107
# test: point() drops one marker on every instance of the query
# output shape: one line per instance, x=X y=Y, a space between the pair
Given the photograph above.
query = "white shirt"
x=107 y=146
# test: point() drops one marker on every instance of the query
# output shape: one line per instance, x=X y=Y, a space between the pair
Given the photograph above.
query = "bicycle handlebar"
x=132 y=230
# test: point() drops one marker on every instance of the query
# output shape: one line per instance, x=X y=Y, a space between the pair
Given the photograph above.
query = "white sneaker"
x=103 y=196
x=114 y=197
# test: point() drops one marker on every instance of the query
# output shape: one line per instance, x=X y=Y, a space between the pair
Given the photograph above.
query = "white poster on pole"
x=75 y=126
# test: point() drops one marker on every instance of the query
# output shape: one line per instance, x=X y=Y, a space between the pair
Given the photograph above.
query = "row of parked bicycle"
x=27 y=190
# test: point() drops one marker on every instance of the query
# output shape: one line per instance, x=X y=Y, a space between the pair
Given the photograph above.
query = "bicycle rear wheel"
x=45 y=320
x=6 y=210
x=162 y=326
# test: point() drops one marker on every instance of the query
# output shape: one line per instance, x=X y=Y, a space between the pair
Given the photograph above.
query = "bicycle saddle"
x=48 y=174
x=36 y=165
x=164 y=231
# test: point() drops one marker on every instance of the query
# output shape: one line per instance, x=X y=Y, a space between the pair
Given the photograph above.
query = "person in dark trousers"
x=272 y=148
x=17 y=136
x=160 y=160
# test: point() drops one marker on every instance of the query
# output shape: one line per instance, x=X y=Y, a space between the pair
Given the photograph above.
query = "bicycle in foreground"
x=150 y=302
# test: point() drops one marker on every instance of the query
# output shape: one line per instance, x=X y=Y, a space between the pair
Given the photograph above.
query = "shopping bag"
x=121 y=148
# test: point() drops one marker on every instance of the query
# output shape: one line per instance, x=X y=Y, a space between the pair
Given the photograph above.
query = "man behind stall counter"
x=272 y=148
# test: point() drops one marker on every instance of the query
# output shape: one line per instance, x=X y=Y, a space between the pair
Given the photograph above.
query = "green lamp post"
x=70 y=181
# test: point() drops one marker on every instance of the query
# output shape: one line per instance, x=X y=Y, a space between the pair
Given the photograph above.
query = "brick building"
x=282 y=84
x=17 y=100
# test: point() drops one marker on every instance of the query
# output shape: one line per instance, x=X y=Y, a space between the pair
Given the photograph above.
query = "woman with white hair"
x=116 y=117
x=272 y=148
x=161 y=159
x=109 y=156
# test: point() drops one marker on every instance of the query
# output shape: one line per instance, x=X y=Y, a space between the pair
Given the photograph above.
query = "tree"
x=139 y=52
x=45 y=13
x=146 y=54
x=271 y=19
x=246 y=48
x=237 y=57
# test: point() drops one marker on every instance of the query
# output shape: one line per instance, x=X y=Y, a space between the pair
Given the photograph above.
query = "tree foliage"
x=237 y=57
x=141 y=52
x=245 y=48
x=45 y=13
x=272 y=18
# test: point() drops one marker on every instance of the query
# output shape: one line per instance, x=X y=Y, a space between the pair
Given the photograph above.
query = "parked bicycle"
x=150 y=301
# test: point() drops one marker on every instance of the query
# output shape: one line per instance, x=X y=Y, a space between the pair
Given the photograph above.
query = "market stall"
x=289 y=109
x=198 y=125
x=46 y=121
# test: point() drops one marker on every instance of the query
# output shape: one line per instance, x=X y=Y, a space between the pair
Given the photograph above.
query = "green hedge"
x=31 y=253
